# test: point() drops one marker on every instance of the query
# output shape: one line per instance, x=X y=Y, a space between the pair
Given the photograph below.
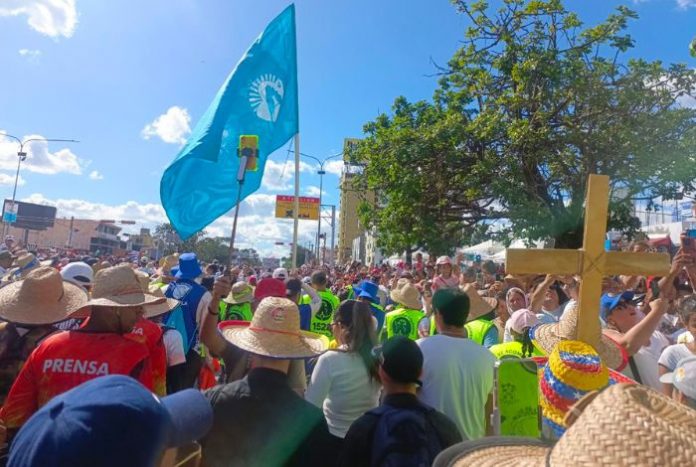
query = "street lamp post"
x=21 y=156
x=321 y=173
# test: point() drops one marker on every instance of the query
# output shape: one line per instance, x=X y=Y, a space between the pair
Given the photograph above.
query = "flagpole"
x=296 y=208
x=240 y=180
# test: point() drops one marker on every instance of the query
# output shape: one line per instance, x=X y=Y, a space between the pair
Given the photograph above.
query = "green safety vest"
x=351 y=293
x=511 y=349
x=238 y=312
x=322 y=319
x=476 y=330
x=403 y=322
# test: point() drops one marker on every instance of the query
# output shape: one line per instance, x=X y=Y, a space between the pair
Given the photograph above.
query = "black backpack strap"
x=634 y=370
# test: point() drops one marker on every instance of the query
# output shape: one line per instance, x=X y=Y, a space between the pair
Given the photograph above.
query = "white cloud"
x=6 y=179
x=52 y=18
x=686 y=4
x=279 y=176
x=257 y=226
x=312 y=190
x=334 y=167
x=31 y=55
x=172 y=127
x=96 y=175
x=39 y=159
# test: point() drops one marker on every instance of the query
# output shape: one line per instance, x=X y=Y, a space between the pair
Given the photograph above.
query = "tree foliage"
x=525 y=110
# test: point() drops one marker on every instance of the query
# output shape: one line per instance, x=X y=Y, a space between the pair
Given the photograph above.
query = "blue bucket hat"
x=609 y=302
x=188 y=267
x=367 y=289
x=110 y=421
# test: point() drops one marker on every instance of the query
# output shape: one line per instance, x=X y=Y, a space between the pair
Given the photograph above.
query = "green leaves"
x=528 y=107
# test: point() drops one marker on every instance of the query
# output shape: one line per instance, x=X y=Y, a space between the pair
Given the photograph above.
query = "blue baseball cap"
x=609 y=302
x=110 y=421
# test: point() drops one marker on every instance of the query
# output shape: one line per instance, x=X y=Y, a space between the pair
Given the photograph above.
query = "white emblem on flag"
x=266 y=96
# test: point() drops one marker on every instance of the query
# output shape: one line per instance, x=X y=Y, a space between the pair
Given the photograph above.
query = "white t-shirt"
x=457 y=380
x=342 y=387
x=673 y=354
x=646 y=360
x=174 y=346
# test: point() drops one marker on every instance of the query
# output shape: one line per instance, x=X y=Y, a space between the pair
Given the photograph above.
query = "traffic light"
x=249 y=147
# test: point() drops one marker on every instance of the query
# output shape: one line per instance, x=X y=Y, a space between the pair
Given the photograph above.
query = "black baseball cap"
x=402 y=359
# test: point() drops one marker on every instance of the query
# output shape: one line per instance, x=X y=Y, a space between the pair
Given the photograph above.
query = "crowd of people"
x=111 y=362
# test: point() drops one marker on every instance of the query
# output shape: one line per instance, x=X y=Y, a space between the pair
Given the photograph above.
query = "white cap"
x=78 y=273
x=280 y=273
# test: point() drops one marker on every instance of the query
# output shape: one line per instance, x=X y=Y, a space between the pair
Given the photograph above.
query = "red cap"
x=270 y=287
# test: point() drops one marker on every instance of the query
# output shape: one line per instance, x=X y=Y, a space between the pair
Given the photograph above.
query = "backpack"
x=404 y=437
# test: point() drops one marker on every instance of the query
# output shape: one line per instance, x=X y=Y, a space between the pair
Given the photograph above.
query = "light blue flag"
x=258 y=98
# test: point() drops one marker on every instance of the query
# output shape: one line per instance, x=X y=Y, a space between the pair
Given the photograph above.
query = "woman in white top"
x=344 y=381
x=674 y=353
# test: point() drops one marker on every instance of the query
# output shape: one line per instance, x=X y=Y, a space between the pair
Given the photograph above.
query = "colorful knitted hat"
x=573 y=369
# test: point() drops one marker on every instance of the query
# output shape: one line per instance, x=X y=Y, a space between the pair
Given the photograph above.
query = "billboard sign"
x=28 y=215
x=285 y=205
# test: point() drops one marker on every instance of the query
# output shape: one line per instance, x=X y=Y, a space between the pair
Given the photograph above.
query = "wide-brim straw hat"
x=43 y=297
x=152 y=311
x=406 y=294
x=275 y=332
x=22 y=266
x=478 y=305
x=547 y=336
x=624 y=425
x=119 y=287
x=241 y=292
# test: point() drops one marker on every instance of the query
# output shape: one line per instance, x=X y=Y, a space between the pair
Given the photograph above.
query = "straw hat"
x=152 y=311
x=241 y=292
x=22 y=266
x=478 y=305
x=406 y=294
x=547 y=336
x=624 y=425
x=118 y=286
x=42 y=298
x=275 y=332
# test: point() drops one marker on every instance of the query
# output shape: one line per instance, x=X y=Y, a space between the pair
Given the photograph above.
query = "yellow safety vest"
x=511 y=349
x=476 y=330
x=403 y=322
x=322 y=319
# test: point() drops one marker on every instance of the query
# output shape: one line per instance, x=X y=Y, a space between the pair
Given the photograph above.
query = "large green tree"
x=531 y=104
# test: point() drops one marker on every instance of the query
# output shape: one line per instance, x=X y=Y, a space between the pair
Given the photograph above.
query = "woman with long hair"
x=344 y=382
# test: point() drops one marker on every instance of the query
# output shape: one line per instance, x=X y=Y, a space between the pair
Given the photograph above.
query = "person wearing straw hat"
x=458 y=372
x=480 y=327
x=267 y=421
x=547 y=336
x=237 y=305
x=146 y=331
x=30 y=309
x=69 y=358
x=22 y=265
x=624 y=425
x=404 y=319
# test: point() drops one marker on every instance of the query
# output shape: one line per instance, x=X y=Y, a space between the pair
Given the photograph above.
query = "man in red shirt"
x=68 y=359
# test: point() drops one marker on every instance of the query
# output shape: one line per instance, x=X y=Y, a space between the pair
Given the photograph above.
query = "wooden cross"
x=591 y=262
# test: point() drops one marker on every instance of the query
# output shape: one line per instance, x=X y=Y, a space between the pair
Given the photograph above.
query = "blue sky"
x=127 y=78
